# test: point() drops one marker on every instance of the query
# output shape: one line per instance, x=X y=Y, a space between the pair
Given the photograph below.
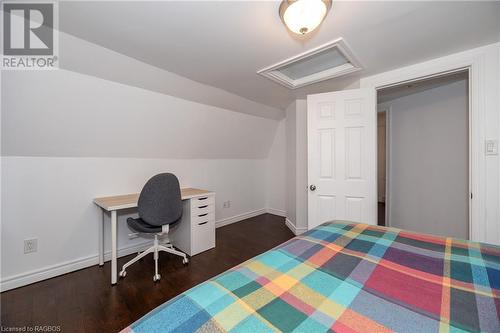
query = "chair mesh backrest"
x=160 y=200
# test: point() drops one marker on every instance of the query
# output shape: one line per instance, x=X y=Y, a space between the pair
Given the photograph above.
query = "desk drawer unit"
x=202 y=224
x=196 y=232
x=203 y=201
x=201 y=211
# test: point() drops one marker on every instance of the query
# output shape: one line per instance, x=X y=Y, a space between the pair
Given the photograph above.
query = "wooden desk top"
x=117 y=202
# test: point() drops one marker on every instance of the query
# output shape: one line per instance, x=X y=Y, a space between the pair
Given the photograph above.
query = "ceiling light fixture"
x=303 y=16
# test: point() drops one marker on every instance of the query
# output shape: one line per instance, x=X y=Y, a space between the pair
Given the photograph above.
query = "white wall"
x=291 y=163
x=62 y=113
x=296 y=160
x=68 y=137
x=428 y=180
x=50 y=198
x=301 y=170
x=110 y=65
x=276 y=173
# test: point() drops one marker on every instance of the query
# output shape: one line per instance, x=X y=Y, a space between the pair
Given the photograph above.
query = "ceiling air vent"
x=330 y=60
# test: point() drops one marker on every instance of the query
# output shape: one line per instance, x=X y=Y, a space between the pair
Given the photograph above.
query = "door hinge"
x=471 y=195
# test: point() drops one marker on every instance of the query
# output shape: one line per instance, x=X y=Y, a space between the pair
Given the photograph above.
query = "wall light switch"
x=491 y=147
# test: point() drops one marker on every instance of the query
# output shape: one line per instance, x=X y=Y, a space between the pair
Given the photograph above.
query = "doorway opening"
x=382 y=146
x=423 y=135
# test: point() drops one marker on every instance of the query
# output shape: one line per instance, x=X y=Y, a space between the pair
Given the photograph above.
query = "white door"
x=342 y=166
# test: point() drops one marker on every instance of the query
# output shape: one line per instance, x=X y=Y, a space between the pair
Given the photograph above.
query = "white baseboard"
x=238 y=218
x=278 y=212
x=293 y=228
x=24 y=279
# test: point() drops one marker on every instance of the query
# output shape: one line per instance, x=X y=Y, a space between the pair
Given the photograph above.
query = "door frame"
x=387 y=111
x=474 y=61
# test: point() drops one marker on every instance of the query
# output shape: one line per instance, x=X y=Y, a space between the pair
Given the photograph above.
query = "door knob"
x=312 y=187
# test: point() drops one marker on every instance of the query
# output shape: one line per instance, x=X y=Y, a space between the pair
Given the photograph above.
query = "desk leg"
x=113 y=247
x=101 y=241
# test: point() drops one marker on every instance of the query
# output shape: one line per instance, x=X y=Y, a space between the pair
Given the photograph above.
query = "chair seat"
x=139 y=225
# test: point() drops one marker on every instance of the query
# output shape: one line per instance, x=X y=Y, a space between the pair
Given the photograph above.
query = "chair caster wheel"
x=185 y=261
x=122 y=274
x=156 y=277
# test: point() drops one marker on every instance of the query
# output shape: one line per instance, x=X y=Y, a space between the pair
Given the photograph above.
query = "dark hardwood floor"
x=381 y=214
x=84 y=301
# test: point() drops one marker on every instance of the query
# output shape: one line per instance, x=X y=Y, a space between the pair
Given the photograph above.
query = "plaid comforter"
x=346 y=277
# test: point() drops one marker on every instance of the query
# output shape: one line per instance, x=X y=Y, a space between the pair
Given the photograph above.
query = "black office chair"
x=159 y=207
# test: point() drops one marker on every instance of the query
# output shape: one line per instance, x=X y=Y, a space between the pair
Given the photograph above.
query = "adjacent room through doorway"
x=381 y=164
x=423 y=156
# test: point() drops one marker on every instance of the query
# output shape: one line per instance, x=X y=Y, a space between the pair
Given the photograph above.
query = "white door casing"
x=342 y=160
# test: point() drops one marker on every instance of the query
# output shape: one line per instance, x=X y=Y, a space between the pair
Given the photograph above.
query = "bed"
x=346 y=277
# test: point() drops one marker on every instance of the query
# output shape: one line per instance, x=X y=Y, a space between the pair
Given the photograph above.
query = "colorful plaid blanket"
x=346 y=277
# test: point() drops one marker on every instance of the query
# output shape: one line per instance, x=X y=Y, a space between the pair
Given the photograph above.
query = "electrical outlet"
x=492 y=147
x=226 y=204
x=30 y=245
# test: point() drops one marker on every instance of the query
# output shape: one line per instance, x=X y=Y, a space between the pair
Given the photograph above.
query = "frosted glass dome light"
x=303 y=16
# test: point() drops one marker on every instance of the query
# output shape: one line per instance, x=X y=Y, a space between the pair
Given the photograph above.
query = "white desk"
x=194 y=234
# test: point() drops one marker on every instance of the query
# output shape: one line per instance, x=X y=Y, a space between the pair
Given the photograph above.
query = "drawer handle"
x=203 y=206
x=202 y=223
x=201 y=215
x=205 y=198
